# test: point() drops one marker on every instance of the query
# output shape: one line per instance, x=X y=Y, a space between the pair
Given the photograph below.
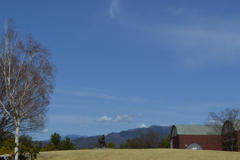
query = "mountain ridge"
x=121 y=137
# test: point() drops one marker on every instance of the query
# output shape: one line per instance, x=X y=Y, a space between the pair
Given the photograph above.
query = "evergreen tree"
x=67 y=144
x=165 y=143
x=55 y=140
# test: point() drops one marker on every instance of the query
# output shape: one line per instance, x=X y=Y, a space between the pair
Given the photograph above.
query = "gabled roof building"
x=184 y=135
x=228 y=139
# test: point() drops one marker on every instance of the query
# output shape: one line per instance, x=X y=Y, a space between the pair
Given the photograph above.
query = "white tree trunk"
x=17 y=139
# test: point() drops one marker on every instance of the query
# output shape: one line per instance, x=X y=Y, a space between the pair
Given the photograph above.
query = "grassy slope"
x=138 y=154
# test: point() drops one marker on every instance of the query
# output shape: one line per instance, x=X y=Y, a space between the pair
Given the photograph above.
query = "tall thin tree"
x=28 y=77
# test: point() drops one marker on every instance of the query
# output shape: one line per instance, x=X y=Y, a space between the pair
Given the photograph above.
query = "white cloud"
x=212 y=122
x=104 y=119
x=45 y=130
x=142 y=126
x=123 y=118
x=114 y=7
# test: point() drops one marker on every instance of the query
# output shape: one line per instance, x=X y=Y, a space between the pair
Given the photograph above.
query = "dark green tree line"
x=57 y=144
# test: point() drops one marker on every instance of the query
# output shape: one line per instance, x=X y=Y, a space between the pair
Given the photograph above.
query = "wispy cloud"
x=195 y=46
x=200 y=106
x=100 y=94
x=195 y=38
x=95 y=94
x=89 y=94
x=204 y=45
x=122 y=118
x=114 y=8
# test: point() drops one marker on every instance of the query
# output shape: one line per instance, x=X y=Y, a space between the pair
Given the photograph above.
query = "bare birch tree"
x=27 y=76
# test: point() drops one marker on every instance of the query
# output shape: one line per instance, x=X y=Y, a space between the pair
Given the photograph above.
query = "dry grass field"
x=138 y=154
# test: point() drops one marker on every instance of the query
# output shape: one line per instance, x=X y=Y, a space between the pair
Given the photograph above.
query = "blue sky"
x=124 y=64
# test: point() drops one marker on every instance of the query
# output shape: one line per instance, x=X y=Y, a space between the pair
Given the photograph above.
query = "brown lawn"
x=138 y=154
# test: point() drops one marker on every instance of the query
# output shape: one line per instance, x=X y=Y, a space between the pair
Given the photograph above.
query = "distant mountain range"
x=121 y=137
x=73 y=136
